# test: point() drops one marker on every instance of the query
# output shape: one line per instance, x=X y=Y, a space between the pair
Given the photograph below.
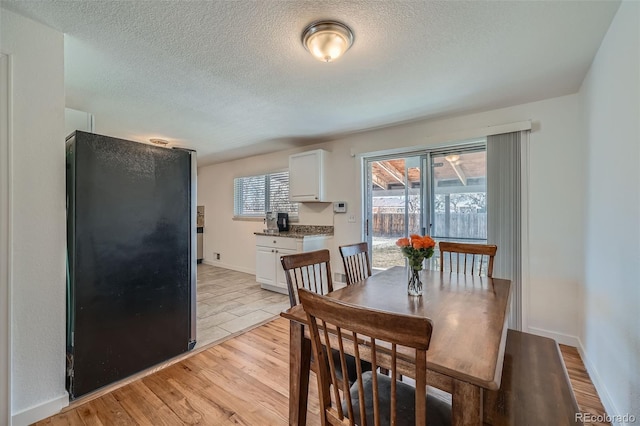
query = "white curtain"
x=504 y=211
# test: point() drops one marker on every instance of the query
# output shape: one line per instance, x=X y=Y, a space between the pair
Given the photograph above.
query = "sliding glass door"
x=441 y=193
x=394 y=206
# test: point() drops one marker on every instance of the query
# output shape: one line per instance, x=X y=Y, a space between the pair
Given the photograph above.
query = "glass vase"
x=414 y=285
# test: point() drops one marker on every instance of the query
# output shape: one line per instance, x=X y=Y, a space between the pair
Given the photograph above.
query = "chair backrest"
x=384 y=332
x=355 y=258
x=467 y=258
x=310 y=270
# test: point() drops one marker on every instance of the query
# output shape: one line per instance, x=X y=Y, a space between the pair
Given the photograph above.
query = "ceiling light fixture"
x=327 y=40
x=158 y=141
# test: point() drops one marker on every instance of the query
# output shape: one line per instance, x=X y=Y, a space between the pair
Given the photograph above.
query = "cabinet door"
x=266 y=265
x=305 y=176
x=281 y=280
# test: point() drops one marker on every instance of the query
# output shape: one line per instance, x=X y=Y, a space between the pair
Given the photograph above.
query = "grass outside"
x=385 y=253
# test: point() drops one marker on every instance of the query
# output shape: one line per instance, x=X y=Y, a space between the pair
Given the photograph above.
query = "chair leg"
x=299 y=360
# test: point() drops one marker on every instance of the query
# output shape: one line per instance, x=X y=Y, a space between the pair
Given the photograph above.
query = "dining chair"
x=374 y=397
x=355 y=258
x=312 y=271
x=357 y=267
x=467 y=258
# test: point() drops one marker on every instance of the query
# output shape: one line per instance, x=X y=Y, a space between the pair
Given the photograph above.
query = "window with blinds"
x=256 y=195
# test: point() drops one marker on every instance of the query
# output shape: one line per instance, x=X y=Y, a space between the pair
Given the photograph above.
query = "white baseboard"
x=564 y=339
x=275 y=288
x=220 y=264
x=603 y=393
x=41 y=411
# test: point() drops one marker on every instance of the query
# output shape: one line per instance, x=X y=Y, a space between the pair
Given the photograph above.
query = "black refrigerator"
x=131 y=242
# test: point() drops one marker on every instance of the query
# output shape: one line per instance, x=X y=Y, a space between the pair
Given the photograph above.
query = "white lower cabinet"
x=269 y=272
x=281 y=280
x=266 y=265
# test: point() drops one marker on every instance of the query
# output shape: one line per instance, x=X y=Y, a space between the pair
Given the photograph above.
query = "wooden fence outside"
x=461 y=225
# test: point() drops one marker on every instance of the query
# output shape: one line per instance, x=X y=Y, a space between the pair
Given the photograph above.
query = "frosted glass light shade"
x=327 y=40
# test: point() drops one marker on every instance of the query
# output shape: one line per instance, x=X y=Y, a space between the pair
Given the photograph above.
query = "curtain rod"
x=448 y=139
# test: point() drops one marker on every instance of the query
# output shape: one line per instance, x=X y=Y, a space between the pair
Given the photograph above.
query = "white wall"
x=556 y=200
x=611 y=329
x=38 y=218
x=5 y=366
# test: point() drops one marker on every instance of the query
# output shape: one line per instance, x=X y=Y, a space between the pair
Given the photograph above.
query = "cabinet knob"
x=276 y=251
x=272 y=251
x=274 y=241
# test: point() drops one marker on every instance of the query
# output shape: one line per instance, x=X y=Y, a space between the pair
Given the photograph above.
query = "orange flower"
x=428 y=242
x=416 y=248
x=416 y=241
x=402 y=242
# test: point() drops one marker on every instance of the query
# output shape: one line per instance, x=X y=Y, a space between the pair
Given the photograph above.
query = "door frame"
x=5 y=235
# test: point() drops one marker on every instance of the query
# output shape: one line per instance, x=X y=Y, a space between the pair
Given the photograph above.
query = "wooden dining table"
x=469 y=315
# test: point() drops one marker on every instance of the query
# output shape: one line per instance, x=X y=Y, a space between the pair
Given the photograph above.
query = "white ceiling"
x=231 y=78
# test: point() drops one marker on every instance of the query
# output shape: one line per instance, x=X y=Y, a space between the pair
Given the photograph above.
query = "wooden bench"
x=535 y=387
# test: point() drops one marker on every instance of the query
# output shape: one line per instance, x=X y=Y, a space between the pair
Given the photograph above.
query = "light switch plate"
x=352 y=218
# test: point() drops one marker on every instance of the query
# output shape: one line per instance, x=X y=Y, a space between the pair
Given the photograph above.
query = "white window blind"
x=256 y=195
x=504 y=212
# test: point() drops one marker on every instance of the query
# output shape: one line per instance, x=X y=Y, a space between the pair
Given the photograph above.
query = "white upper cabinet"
x=78 y=120
x=307 y=174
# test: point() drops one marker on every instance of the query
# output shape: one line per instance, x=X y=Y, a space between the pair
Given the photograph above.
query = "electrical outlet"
x=352 y=218
x=217 y=256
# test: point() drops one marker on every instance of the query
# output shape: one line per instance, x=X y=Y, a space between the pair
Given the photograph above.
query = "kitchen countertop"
x=301 y=231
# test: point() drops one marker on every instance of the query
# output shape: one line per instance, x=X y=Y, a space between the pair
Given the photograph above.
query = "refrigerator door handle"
x=194 y=247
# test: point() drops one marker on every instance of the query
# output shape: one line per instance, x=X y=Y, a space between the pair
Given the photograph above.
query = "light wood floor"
x=583 y=388
x=243 y=380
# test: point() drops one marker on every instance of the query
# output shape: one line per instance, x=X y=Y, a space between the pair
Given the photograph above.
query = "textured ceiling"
x=231 y=78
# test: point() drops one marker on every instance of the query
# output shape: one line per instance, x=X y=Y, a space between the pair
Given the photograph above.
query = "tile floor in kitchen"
x=230 y=302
